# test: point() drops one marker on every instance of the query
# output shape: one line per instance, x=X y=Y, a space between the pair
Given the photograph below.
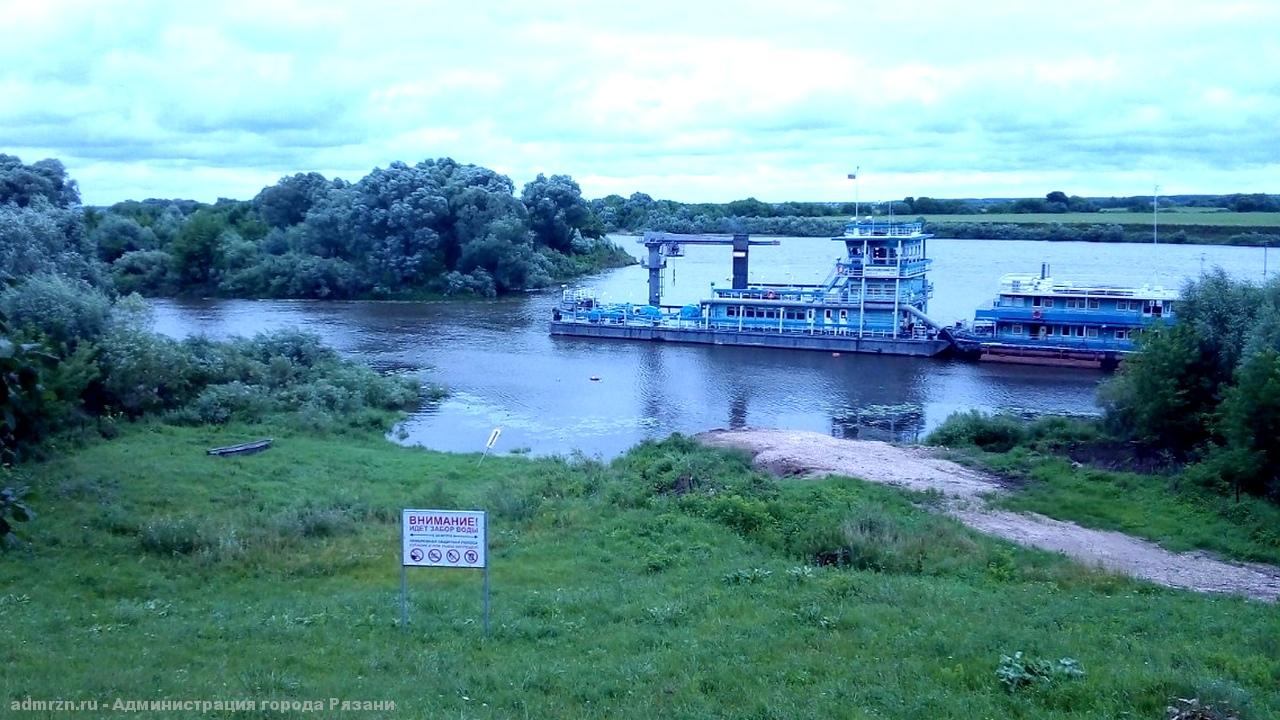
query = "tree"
x=21 y=394
x=21 y=184
x=289 y=200
x=43 y=238
x=557 y=212
x=67 y=312
x=750 y=207
x=147 y=272
x=196 y=250
x=1251 y=421
x=1164 y=395
x=116 y=235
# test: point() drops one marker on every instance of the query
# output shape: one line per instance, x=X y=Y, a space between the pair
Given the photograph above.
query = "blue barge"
x=1037 y=320
x=874 y=301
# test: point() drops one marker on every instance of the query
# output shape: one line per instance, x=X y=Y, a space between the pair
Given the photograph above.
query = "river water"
x=504 y=370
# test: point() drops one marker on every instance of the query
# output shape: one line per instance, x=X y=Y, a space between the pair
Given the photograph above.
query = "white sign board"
x=444 y=538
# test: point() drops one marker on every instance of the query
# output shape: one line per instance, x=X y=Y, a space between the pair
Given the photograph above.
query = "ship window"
x=1120 y=335
x=1079 y=331
x=1017 y=329
x=1035 y=302
x=1071 y=303
x=1048 y=302
x=810 y=316
x=1093 y=332
x=749 y=312
x=844 y=316
x=1049 y=330
x=1094 y=304
x=826 y=315
x=731 y=312
x=1019 y=301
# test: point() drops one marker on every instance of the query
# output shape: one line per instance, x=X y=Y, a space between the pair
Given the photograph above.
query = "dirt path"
x=811 y=454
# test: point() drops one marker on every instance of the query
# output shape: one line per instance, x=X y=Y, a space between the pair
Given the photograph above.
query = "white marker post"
x=447 y=539
x=493 y=439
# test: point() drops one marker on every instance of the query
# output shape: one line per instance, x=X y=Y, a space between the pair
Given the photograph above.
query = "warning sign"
x=444 y=538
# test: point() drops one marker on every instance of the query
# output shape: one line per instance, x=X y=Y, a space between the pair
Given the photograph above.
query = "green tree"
x=557 y=213
x=116 y=235
x=1165 y=395
x=1251 y=421
x=196 y=250
x=47 y=180
x=21 y=394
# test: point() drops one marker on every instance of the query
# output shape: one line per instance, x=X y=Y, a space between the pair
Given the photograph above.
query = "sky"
x=698 y=101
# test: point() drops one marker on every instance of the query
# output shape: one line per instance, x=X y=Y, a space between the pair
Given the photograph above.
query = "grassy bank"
x=1065 y=469
x=674 y=582
x=1164 y=508
x=1246 y=220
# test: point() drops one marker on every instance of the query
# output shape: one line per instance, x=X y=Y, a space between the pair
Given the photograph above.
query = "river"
x=504 y=370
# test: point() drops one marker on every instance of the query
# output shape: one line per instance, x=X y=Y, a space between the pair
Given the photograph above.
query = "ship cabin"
x=1037 y=312
x=878 y=289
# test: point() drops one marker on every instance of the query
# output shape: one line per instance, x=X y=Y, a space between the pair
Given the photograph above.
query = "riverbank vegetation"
x=1208 y=219
x=1186 y=451
x=675 y=580
x=77 y=366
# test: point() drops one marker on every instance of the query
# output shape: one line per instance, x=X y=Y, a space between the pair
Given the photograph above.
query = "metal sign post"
x=444 y=539
x=493 y=438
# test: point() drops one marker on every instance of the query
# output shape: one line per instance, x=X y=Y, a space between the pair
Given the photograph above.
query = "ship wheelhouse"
x=878 y=289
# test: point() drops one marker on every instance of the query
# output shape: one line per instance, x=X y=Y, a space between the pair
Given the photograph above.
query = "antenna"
x=1155 y=216
x=854 y=177
x=1155 y=230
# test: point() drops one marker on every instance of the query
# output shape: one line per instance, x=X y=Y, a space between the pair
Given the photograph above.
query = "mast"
x=854 y=177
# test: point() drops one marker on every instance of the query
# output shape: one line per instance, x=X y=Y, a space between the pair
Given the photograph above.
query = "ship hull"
x=797 y=341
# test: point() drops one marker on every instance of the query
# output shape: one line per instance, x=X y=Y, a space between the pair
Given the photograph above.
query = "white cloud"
x=694 y=101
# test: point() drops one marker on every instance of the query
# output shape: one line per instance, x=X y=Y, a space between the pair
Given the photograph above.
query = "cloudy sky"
x=690 y=100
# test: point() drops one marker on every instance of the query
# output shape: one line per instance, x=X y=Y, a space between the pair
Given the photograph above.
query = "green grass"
x=674 y=582
x=1158 y=507
x=1224 y=219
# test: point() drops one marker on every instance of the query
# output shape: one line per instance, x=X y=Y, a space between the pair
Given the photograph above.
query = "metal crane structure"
x=662 y=245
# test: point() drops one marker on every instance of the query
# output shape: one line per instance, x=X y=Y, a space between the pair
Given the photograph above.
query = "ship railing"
x=1075 y=343
x=864 y=228
x=918 y=332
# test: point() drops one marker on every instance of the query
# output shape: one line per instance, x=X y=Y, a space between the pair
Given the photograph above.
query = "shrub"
x=219 y=404
x=145 y=372
x=68 y=312
x=175 y=536
x=993 y=433
x=146 y=272
x=1016 y=672
x=315 y=523
x=13 y=509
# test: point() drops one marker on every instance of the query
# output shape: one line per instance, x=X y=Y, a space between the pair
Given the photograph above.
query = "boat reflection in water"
x=888 y=423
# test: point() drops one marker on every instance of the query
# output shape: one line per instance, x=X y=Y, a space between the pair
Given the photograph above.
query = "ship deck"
x=915 y=347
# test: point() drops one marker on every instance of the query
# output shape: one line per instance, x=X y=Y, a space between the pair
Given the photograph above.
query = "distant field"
x=1227 y=219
